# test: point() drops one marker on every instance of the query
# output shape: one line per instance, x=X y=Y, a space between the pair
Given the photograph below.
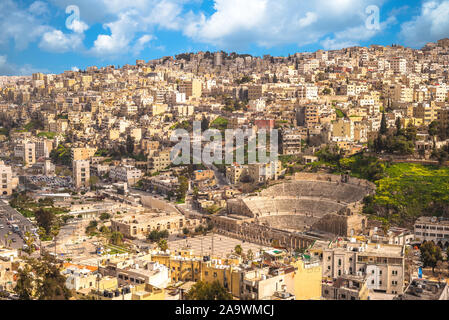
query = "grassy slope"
x=412 y=190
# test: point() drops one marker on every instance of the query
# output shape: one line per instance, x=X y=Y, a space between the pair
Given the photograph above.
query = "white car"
x=1 y=226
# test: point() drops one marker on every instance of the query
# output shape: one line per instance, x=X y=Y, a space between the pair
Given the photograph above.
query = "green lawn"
x=409 y=191
x=49 y=135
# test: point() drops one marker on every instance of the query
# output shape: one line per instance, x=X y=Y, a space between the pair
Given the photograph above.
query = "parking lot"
x=52 y=182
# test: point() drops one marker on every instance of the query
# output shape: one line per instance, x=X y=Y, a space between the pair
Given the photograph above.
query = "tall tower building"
x=218 y=59
x=5 y=179
x=81 y=174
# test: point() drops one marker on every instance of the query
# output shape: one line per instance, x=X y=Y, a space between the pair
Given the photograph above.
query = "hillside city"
x=356 y=206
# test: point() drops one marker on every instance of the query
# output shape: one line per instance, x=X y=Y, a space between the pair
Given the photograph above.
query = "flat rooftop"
x=223 y=245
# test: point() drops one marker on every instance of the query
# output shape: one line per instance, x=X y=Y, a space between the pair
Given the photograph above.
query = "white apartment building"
x=398 y=65
x=6 y=185
x=308 y=91
x=125 y=173
x=432 y=229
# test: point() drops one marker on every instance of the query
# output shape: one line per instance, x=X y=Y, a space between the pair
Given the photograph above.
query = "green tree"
x=430 y=254
x=398 y=126
x=45 y=219
x=105 y=216
x=433 y=131
x=25 y=284
x=156 y=235
x=208 y=291
x=41 y=279
x=163 y=245
x=238 y=249
x=182 y=188
x=93 y=180
x=29 y=242
x=129 y=145
x=117 y=238
x=204 y=124
x=383 y=124
x=250 y=254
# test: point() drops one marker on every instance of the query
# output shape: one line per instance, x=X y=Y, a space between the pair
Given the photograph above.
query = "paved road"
x=9 y=213
x=5 y=229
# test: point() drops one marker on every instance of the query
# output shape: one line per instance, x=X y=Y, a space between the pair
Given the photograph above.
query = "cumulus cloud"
x=59 y=42
x=142 y=42
x=267 y=23
x=21 y=25
x=141 y=17
x=78 y=26
x=430 y=25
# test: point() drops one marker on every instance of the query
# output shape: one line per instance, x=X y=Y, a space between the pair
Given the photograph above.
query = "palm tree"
x=250 y=254
x=29 y=242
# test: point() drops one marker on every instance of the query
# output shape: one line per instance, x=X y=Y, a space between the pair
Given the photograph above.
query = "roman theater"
x=294 y=214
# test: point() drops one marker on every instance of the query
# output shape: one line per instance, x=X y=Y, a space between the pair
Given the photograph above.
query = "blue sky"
x=41 y=36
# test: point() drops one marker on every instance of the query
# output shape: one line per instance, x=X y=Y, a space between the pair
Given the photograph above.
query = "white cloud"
x=142 y=43
x=133 y=20
x=310 y=18
x=236 y=24
x=78 y=26
x=76 y=69
x=21 y=25
x=351 y=36
x=430 y=25
x=59 y=42
x=38 y=8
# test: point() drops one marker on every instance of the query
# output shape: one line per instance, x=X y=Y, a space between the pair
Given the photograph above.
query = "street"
x=14 y=217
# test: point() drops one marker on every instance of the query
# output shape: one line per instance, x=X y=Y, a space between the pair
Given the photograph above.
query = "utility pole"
x=212 y=251
x=98 y=279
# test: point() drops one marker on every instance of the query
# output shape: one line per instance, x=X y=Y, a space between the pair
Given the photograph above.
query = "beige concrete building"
x=81 y=174
x=192 y=88
x=6 y=179
x=139 y=226
x=82 y=153
x=383 y=265
x=432 y=229
x=27 y=151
